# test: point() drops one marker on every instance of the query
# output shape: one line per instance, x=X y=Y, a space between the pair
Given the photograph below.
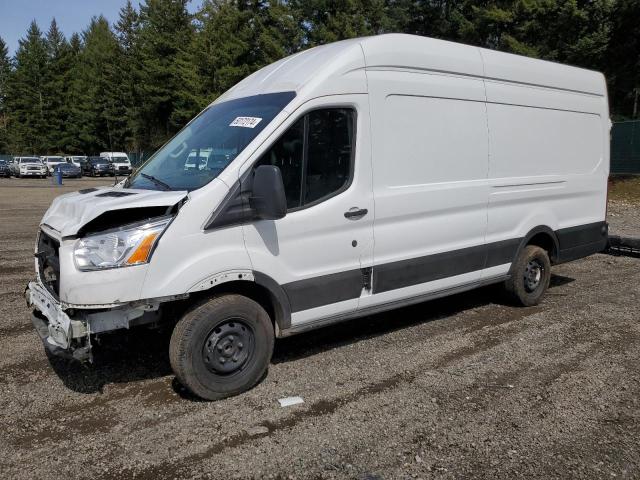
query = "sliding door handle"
x=355 y=213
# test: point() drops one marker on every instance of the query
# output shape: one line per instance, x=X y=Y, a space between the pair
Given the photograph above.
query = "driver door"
x=318 y=250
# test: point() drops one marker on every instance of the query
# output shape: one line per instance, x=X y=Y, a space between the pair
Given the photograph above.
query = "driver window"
x=287 y=155
x=314 y=156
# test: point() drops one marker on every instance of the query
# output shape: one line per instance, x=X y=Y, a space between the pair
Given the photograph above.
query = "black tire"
x=530 y=276
x=240 y=333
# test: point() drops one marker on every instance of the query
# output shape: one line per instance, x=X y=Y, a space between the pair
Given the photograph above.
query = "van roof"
x=337 y=67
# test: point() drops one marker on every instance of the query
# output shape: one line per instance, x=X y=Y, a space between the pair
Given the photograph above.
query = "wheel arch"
x=263 y=290
x=543 y=237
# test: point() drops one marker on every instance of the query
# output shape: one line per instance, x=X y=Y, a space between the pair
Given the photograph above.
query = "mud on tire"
x=222 y=347
x=530 y=276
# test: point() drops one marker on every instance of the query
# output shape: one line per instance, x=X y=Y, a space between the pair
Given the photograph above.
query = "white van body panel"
x=68 y=213
x=318 y=241
x=332 y=69
x=430 y=188
x=462 y=155
x=187 y=255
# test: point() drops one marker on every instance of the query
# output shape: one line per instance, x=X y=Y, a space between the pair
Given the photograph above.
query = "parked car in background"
x=120 y=161
x=197 y=159
x=28 y=167
x=77 y=160
x=69 y=170
x=51 y=162
x=5 y=171
x=97 y=167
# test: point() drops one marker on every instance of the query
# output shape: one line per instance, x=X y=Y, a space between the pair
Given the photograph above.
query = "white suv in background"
x=120 y=162
x=52 y=162
x=28 y=167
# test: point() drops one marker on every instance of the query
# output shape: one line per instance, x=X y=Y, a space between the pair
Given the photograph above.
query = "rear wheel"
x=530 y=276
x=222 y=347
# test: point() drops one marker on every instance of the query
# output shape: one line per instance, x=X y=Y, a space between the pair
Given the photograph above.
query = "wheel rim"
x=533 y=274
x=228 y=347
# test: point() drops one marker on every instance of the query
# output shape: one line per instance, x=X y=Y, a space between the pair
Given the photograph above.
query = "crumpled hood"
x=70 y=212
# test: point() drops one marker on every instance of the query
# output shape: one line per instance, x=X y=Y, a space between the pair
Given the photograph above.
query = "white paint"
x=290 y=401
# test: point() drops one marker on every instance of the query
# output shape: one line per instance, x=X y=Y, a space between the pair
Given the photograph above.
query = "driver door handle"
x=355 y=213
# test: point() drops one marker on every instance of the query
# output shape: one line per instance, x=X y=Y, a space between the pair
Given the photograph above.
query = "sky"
x=71 y=15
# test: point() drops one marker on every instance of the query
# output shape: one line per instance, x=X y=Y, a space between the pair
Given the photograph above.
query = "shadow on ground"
x=140 y=354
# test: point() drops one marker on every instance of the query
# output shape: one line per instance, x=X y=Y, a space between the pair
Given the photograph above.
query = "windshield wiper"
x=158 y=182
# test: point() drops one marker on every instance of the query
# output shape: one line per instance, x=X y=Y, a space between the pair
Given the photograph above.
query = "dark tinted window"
x=287 y=155
x=319 y=146
x=329 y=152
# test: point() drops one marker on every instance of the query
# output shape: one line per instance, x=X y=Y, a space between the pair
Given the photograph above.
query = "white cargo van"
x=120 y=161
x=353 y=178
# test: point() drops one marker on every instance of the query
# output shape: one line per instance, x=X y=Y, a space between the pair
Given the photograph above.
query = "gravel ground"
x=624 y=218
x=456 y=388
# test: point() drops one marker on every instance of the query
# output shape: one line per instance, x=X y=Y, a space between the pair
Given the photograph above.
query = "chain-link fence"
x=625 y=147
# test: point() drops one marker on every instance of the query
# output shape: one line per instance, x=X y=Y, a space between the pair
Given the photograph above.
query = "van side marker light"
x=289 y=401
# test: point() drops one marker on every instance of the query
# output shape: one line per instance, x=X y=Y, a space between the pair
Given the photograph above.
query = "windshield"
x=30 y=160
x=99 y=161
x=210 y=142
x=119 y=159
x=55 y=159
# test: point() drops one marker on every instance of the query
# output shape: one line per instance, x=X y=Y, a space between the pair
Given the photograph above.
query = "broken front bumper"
x=61 y=335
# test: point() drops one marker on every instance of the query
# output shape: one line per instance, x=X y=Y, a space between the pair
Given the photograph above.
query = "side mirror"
x=268 y=198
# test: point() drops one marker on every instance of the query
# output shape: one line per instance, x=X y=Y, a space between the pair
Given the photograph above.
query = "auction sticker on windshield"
x=246 y=122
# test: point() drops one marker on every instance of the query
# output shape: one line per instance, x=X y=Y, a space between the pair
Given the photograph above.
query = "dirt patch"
x=462 y=387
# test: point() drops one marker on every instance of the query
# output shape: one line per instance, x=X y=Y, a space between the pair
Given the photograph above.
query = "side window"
x=314 y=155
x=329 y=152
x=287 y=155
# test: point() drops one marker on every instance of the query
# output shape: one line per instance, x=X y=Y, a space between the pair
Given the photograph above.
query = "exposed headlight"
x=130 y=245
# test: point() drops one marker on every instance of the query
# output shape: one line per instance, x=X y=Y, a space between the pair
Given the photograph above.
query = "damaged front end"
x=67 y=331
x=60 y=334
x=79 y=291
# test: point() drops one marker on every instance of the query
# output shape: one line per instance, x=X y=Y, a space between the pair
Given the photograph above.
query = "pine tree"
x=127 y=32
x=55 y=87
x=169 y=90
x=74 y=100
x=622 y=59
x=98 y=116
x=5 y=71
x=26 y=97
x=325 y=21
x=234 y=39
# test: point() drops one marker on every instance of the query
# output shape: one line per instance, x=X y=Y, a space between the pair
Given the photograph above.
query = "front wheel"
x=222 y=347
x=530 y=276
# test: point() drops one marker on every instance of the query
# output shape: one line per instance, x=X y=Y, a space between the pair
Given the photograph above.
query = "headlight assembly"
x=127 y=246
